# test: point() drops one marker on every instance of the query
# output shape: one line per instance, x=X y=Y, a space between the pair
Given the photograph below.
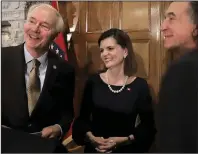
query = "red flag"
x=59 y=44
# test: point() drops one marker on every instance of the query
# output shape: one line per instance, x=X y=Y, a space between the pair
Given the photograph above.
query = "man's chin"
x=37 y=46
x=171 y=47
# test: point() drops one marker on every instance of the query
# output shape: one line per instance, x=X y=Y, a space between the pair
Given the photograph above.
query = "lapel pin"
x=54 y=67
x=129 y=89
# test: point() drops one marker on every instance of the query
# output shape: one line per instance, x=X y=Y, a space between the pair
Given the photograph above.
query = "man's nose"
x=36 y=27
x=164 y=25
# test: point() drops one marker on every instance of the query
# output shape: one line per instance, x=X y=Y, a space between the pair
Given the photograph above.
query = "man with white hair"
x=37 y=86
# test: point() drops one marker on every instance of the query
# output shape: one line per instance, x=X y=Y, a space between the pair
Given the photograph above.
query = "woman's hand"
x=108 y=147
x=113 y=142
x=118 y=140
x=100 y=143
x=97 y=142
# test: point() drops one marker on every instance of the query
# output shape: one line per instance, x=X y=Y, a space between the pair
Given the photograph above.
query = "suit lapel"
x=18 y=89
x=49 y=80
x=51 y=71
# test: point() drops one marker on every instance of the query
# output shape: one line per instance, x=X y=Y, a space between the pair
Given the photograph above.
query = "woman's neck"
x=116 y=75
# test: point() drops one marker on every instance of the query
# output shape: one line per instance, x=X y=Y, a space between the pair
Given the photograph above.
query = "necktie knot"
x=36 y=63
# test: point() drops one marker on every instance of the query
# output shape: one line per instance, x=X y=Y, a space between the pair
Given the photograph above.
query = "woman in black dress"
x=113 y=99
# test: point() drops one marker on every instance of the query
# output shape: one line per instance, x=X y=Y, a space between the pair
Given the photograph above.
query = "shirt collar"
x=28 y=57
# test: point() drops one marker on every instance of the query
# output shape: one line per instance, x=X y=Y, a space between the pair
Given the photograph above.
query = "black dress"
x=107 y=114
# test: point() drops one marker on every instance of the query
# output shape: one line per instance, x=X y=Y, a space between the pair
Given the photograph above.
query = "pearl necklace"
x=116 y=91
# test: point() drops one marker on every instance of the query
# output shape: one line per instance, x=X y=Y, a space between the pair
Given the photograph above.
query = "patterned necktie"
x=33 y=89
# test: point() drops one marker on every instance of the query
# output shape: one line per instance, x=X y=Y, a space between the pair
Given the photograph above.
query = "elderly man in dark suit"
x=178 y=96
x=37 y=85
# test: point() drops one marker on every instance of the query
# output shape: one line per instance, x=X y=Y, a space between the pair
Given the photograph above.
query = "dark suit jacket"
x=55 y=104
x=178 y=106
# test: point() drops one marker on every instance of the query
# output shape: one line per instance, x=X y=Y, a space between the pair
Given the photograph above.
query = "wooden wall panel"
x=142 y=57
x=135 y=16
x=98 y=16
x=93 y=55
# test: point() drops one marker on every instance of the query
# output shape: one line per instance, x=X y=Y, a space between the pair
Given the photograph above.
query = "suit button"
x=29 y=125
